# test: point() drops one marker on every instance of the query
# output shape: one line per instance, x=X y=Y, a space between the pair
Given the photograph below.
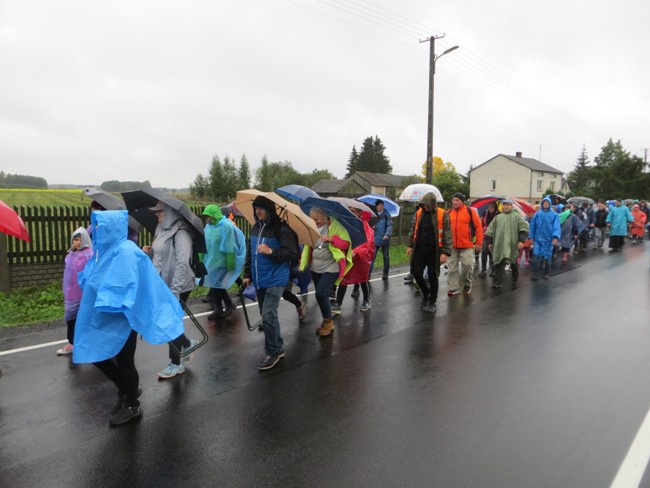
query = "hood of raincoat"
x=109 y=228
x=547 y=198
x=428 y=199
x=170 y=217
x=565 y=215
x=269 y=206
x=214 y=212
x=85 y=238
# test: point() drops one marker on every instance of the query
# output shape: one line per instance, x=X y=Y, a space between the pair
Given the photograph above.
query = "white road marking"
x=636 y=460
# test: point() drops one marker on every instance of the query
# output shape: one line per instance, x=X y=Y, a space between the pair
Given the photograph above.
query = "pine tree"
x=244 y=173
x=353 y=162
x=580 y=179
x=371 y=158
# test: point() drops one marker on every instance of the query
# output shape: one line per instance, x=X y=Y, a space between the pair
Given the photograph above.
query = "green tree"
x=200 y=187
x=446 y=178
x=619 y=173
x=263 y=176
x=310 y=179
x=244 y=173
x=371 y=158
x=215 y=178
x=580 y=180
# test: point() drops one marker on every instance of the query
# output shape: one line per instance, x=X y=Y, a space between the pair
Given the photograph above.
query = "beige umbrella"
x=291 y=213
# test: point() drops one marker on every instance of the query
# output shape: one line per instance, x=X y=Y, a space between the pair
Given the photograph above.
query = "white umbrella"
x=414 y=192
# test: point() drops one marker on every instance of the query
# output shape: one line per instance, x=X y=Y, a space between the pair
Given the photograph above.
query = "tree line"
x=22 y=181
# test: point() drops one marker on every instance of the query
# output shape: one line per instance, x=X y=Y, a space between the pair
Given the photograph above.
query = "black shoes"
x=126 y=414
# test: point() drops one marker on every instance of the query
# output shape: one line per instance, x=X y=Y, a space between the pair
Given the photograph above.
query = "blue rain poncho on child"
x=544 y=227
x=226 y=254
x=122 y=291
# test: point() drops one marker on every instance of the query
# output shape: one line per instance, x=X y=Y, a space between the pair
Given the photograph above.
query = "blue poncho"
x=223 y=238
x=121 y=291
x=544 y=227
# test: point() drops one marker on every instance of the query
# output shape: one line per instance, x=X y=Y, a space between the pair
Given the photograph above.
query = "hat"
x=214 y=212
x=160 y=206
x=379 y=202
x=459 y=195
x=507 y=200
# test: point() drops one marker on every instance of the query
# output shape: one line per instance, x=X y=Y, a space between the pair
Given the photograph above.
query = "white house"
x=515 y=176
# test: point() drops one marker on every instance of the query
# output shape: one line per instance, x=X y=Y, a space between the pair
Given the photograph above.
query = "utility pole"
x=432 y=71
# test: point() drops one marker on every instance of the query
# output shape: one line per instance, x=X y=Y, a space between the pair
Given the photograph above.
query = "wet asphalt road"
x=545 y=385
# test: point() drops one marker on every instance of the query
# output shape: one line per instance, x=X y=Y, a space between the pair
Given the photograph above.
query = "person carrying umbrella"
x=429 y=246
x=171 y=251
x=270 y=251
x=545 y=232
x=226 y=246
x=506 y=234
x=382 y=232
x=330 y=259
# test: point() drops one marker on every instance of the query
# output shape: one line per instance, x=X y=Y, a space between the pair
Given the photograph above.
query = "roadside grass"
x=42 y=304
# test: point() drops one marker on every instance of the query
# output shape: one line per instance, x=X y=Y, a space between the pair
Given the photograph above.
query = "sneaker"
x=230 y=308
x=384 y=276
x=355 y=293
x=365 y=306
x=336 y=309
x=268 y=362
x=120 y=401
x=126 y=414
x=467 y=290
x=216 y=315
x=430 y=307
x=425 y=301
x=409 y=279
x=65 y=350
x=188 y=359
x=171 y=370
x=302 y=311
x=453 y=293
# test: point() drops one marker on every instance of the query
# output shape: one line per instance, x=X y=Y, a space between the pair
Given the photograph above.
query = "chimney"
x=518 y=154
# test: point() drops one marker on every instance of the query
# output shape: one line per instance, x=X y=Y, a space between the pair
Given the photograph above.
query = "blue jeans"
x=541 y=265
x=268 y=300
x=324 y=283
x=386 y=253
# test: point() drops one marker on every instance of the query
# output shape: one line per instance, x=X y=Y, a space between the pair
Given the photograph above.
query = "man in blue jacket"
x=271 y=250
x=383 y=232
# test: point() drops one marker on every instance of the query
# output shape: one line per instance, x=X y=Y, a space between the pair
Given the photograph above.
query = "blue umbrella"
x=390 y=206
x=296 y=192
x=340 y=212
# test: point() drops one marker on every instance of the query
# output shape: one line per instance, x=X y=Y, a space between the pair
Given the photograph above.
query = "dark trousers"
x=290 y=297
x=500 y=269
x=121 y=370
x=485 y=254
x=323 y=284
x=342 y=289
x=385 y=251
x=71 y=324
x=181 y=341
x=426 y=258
x=616 y=242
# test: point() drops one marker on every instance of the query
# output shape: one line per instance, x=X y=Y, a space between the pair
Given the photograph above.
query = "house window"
x=539 y=185
x=553 y=185
x=494 y=184
x=540 y=174
x=554 y=175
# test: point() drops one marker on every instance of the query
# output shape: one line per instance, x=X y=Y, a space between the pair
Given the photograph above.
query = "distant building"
x=362 y=183
x=515 y=176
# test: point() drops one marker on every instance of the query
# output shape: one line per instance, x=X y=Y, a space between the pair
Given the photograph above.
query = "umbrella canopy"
x=340 y=212
x=581 y=200
x=555 y=199
x=296 y=192
x=481 y=204
x=300 y=223
x=138 y=203
x=413 y=193
x=390 y=206
x=11 y=223
x=352 y=203
x=110 y=202
x=231 y=209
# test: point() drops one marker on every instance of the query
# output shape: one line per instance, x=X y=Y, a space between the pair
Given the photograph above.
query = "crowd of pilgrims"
x=115 y=290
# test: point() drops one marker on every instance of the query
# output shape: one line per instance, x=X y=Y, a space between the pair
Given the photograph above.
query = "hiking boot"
x=409 y=278
x=355 y=293
x=230 y=308
x=467 y=290
x=65 y=350
x=120 y=401
x=365 y=306
x=126 y=414
x=336 y=309
x=188 y=359
x=171 y=370
x=384 y=276
x=269 y=361
x=482 y=274
x=492 y=272
x=302 y=311
x=453 y=293
x=425 y=301
x=326 y=328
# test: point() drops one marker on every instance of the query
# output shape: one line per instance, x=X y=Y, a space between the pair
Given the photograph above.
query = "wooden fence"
x=41 y=261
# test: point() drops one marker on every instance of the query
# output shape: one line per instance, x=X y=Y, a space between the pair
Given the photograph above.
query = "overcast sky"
x=132 y=90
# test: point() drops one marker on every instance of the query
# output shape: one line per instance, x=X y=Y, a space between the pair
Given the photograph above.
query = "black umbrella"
x=110 y=202
x=138 y=202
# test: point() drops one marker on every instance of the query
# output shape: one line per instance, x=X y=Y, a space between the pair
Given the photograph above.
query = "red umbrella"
x=521 y=206
x=11 y=223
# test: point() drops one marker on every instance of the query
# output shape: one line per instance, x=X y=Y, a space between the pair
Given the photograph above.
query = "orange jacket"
x=461 y=231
